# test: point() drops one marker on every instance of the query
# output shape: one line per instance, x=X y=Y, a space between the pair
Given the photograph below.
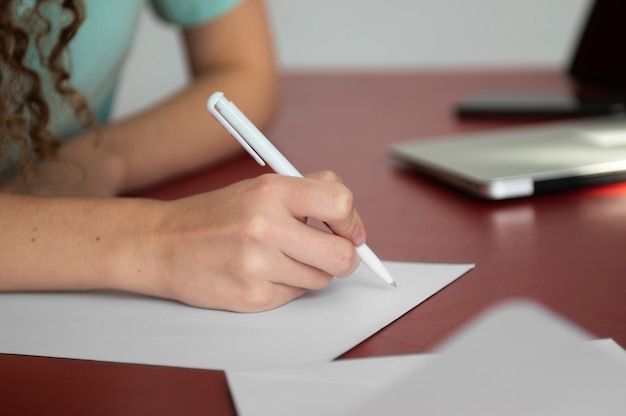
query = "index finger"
x=330 y=201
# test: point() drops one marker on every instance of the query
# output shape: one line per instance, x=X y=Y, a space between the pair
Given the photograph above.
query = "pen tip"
x=393 y=284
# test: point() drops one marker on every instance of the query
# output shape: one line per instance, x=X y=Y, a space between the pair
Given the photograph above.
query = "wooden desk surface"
x=565 y=250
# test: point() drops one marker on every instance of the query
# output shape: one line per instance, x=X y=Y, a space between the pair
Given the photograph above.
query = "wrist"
x=137 y=262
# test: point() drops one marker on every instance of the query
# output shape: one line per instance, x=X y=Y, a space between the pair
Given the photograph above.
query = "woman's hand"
x=247 y=247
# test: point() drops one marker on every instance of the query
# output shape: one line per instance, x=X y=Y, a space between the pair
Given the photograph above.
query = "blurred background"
x=390 y=35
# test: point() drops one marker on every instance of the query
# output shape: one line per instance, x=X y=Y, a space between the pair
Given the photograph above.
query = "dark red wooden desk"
x=566 y=250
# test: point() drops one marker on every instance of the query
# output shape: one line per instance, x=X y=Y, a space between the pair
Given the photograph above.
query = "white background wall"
x=376 y=34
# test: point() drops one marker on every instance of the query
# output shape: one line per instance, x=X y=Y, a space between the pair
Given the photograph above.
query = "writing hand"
x=247 y=247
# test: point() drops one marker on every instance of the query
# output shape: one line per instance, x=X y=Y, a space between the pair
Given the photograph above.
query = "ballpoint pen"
x=263 y=151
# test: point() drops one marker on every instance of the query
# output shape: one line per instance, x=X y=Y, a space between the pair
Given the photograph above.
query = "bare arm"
x=233 y=54
x=245 y=247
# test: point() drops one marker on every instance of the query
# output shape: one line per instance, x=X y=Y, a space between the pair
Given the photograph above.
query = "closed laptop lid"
x=523 y=161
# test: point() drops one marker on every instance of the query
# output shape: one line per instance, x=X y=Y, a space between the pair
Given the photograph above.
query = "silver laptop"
x=525 y=161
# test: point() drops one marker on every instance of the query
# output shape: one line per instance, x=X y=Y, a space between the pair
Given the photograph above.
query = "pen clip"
x=215 y=112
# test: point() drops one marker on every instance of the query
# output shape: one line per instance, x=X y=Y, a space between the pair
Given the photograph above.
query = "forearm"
x=72 y=243
x=178 y=135
x=232 y=54
x=173 y=137
x=245 y=247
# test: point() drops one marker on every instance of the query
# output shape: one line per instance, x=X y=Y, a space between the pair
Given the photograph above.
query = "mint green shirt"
x=98 y=50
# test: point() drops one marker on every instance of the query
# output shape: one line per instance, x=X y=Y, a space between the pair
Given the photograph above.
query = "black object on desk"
x=597 y=68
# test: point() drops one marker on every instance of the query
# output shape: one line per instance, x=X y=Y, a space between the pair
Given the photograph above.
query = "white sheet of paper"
x=336 y=388
x=329 y=389
x=134 y=329
x=518 y=359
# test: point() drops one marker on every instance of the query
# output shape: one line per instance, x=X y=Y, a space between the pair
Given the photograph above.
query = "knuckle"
x=257 y=298
x=256 y=228
x=329 y=175
x=267 y=184
x=343 y=202
x=346 y=260
x=254 y=294
x=319 y=280
x=244 y=265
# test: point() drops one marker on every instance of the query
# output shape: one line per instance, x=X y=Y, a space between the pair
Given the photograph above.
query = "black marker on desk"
x=251 y=138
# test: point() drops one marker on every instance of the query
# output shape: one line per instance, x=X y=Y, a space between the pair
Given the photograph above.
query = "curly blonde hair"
x=24 y=110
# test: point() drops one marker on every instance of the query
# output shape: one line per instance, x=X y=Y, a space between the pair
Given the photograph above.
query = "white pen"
x=263 y=151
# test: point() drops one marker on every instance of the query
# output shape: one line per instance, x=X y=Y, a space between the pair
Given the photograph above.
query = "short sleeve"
x=191 y=12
